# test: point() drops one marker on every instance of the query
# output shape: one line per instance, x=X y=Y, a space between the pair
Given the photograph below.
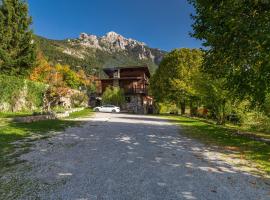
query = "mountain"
x=93 y=52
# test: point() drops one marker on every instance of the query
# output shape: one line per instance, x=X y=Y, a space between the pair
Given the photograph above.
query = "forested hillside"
x=92 y=52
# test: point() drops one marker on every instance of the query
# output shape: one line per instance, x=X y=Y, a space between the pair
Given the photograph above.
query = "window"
x=116 y=74
x=128 y=99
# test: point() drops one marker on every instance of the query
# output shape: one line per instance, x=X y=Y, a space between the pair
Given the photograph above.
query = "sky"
x=163 y=24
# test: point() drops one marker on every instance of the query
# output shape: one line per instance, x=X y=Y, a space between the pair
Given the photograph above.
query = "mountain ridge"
x=90 y=51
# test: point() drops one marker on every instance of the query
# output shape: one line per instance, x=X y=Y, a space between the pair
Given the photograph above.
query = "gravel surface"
x=126 y=157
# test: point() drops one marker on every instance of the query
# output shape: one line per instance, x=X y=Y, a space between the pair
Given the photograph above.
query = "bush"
x=113 y=95
x=167 y=108
x=35 y=92
x=257 y=121
x=19 y=94
x=79 y=100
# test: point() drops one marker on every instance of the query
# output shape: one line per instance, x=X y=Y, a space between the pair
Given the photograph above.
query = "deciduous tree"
x=174 y=79
x=236 y=34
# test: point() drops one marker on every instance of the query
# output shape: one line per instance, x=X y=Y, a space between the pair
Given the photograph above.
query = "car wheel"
x=96 y=110
x=114 y=111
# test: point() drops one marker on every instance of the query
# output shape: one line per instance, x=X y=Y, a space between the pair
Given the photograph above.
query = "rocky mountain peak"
x=113 y=35
x=111 y=43
x=93 y=51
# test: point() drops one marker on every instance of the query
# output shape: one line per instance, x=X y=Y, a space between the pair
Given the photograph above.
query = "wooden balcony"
x=136 y=90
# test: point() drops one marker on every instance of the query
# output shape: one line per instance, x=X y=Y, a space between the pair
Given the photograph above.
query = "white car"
x=107 y=108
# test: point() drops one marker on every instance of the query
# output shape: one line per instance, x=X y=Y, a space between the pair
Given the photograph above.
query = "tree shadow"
x=17 y=138
x=136 y=161
x=152 y=119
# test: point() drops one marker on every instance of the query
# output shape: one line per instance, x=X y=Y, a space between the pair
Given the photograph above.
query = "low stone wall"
x=67 y=113
x=35 y=118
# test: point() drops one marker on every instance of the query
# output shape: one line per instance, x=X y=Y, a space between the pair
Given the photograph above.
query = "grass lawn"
x=257 y=152
x=11 y=132
x=81 y=114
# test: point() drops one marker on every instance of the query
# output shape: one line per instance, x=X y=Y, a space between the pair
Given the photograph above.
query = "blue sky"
x=163 y=24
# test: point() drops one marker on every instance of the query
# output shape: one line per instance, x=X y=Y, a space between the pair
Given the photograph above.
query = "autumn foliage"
x=59 y=75
x=61 y=79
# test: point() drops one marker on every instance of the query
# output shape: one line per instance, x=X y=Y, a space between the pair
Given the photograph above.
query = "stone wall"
x=35 y=118
x=135 y=105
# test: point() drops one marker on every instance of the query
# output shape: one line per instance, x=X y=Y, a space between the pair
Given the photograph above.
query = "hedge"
x=16 y=89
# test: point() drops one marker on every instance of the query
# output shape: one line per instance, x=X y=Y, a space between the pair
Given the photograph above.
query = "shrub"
x=35 y=92
x=257 y=121
x=19 y=94
x=167 y=108
x=113 y=95
x=79 y=100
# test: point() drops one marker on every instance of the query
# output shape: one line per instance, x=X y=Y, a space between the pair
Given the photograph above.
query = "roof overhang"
x=145 y=68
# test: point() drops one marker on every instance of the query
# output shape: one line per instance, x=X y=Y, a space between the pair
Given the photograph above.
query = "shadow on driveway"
x=129 y=157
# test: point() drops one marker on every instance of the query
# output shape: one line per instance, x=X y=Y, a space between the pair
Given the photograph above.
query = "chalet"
x=135 y=83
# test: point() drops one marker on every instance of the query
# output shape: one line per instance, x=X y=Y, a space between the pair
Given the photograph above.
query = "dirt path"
x=120 y=156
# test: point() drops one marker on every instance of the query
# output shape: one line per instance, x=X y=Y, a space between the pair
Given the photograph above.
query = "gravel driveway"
x=126 y=157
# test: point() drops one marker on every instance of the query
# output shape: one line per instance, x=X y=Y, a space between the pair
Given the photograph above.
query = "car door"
x=109 y=108
x=105 y=108
x=102 y=109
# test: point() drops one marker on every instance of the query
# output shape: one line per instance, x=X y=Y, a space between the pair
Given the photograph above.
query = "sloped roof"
x=111 y=69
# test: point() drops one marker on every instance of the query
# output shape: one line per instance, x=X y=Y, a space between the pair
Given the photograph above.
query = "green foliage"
x=181 y=78
x=79 y=100
x=165 y=108
x=236 y=34
x=92 y=88
x=113 y=95
x=17 y=50
x=254 y=120
x=174 y=80
x=266 y=105
x=214 y=97
x=35 y=92
x=11 y=89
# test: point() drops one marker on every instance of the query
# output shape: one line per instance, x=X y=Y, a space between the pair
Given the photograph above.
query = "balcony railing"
x=136 y=90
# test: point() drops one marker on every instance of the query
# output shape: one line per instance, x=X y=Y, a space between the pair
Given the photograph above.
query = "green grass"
x=250 y=131
x=11 y=132
x=81 y=114
x=14 y=114
x=255 y=151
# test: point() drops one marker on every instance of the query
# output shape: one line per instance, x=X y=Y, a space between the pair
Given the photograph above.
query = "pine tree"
x=17 y=48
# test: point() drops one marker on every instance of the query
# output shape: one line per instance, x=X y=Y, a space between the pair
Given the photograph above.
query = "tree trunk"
x=183 y=107
x=193 y=109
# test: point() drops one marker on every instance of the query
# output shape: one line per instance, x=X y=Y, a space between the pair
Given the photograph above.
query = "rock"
x=114 y=42
x=30 y=119
x=35 y=118
x=89 y=41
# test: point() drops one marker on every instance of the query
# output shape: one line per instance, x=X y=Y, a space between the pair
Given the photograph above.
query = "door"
x=106 y=108
x=103 y=109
